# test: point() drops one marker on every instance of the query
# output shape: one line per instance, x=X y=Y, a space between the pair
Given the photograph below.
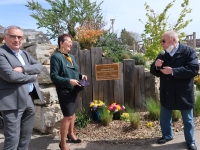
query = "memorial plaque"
x=107 y=71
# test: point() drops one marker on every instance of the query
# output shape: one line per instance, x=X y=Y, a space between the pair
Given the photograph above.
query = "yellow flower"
x=118 y=107
x=92 y=104
x=125 y=116
x=149 y=124
x=96 y=104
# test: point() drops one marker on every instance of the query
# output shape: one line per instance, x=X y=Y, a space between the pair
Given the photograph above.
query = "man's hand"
x=19 y=69
x=159 y=63
x=166 y=70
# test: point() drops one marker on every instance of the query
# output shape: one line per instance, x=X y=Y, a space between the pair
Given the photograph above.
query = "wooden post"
x=96 y=54
x=129 y=91
x=119 y=87
x=139 y=87
x=85 y=96
x=107 y=85
x=194 y=40
x=133 y=45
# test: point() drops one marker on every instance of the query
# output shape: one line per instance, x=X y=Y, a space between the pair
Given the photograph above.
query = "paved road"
x=49 y=142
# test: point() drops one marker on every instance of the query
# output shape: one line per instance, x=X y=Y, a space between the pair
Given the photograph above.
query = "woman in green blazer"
x=64 y=73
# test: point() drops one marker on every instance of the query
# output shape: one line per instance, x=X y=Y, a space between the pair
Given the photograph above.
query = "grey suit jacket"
x=14 y=85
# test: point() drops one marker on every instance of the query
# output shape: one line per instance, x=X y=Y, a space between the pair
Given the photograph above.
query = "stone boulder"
x=41 y=52
x=38 y=37
x=157 y=86
x=44 y=76
x=49 y=95
x=47 y=119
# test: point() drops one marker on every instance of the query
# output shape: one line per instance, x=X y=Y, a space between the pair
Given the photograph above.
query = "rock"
x=46 y=62
x=41 y=52
x=44 y=76
x=49 y=94
x=157 y=86
x=47 y=119
x=38 y=37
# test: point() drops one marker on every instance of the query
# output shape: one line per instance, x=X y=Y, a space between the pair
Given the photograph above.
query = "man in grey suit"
x=18 y=88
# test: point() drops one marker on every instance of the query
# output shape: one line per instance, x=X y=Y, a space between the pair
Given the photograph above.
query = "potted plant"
x=96 y=107
x=116 y=110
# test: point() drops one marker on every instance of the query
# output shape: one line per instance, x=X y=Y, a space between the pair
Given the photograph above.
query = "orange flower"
x=87 y=37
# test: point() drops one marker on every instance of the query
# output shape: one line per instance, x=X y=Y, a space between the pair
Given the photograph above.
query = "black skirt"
x=68 y=101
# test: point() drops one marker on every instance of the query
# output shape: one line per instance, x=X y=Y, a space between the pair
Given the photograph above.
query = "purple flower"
x=95 y=107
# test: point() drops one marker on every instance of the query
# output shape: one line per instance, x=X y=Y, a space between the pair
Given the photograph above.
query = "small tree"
x=126 y=37
x=157 y=24
x=63 y=17
x=87 y=36
x=129 y=37
x=113 y=46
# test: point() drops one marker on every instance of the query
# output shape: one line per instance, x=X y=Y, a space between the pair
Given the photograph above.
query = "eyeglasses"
x=13 y=37
x=162 y=41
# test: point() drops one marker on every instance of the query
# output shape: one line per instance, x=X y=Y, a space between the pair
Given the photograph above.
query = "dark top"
x=177 y=90
x=61 y=70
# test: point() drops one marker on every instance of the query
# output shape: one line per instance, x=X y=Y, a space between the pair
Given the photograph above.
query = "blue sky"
x=126 y=14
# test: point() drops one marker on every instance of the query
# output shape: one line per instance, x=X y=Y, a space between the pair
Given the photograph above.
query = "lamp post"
x=112 y=24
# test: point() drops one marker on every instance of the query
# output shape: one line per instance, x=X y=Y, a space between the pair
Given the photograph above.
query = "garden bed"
x=121 y=130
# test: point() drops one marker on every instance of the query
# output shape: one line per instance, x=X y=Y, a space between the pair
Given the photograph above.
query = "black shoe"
x=60 y=147
x=163 y=140
x=74 y=141
x=192 y=147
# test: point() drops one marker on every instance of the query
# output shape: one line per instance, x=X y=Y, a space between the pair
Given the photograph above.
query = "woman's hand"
x=84 y=77
x=74 y=82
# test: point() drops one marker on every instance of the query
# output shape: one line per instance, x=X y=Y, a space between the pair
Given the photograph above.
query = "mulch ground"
x=122 y=131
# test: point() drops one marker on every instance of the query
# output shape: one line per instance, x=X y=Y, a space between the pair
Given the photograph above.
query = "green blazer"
x=61 y=70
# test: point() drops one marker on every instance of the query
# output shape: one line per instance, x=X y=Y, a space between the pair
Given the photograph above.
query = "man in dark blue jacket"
x=176 y=68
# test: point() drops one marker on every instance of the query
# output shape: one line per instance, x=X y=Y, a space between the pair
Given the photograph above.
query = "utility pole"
x=112 y=24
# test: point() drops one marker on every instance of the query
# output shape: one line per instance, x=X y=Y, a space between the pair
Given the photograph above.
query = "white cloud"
x=12 y=2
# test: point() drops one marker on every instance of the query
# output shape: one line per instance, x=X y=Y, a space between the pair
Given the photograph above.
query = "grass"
x=134 y=118
x=197 y=105
x=176 y=115
x=105 y=116
x=153 y=108
x=82 y=119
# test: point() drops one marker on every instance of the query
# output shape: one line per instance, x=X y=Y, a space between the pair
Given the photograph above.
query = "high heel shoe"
x=74 y=141
x=60 y=147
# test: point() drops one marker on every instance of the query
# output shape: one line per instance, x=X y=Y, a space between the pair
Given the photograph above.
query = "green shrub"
x=153 y=108
x=82 y=119
x=125 y=55
x=197 y=106
x=128 y=109
x=139 y=59
x=134 y=120
x=105 y=116
x=176 y=115
x=114 y=47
